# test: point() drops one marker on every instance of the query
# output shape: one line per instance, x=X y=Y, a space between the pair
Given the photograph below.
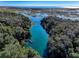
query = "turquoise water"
x=39 y=37
x=35 y=20
x=39 y=17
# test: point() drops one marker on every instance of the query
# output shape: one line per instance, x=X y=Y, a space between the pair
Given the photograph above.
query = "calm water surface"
x=39 y=37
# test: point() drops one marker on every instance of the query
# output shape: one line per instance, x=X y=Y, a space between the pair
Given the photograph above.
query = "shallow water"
x=39 y=37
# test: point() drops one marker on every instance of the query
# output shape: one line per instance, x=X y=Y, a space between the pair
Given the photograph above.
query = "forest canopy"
x=13 y=27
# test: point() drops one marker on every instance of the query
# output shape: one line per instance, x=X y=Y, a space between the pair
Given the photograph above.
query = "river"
x=39 y=37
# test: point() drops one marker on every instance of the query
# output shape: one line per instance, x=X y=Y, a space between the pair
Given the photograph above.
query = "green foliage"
x=9 y=45
x=74 y=55
x=16 y=51
x=63 y=37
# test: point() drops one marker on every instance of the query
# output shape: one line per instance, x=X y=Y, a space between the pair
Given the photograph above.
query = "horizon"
x=41 y=4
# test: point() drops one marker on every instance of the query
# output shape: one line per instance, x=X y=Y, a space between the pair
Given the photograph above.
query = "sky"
x=68 y=4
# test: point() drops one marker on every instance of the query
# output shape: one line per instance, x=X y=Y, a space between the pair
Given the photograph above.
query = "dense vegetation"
x=63 y=37
x=14 y=29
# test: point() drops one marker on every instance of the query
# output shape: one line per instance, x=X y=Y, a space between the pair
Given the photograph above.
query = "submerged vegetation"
x=63 y=37
x=14 y=29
